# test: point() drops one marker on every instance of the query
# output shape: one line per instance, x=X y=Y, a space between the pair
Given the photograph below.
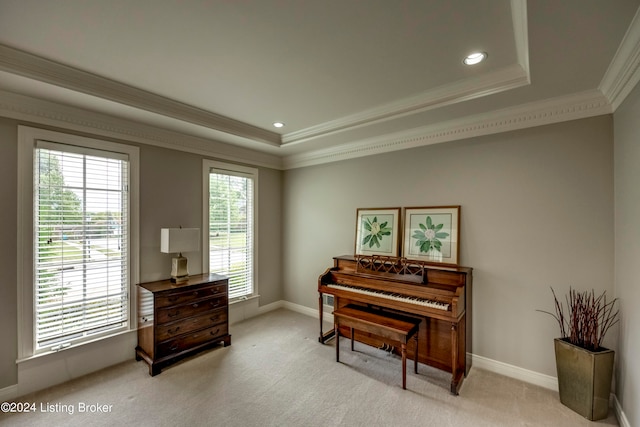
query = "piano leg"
x=320 y=310
x=324 y=336
x=455 y=381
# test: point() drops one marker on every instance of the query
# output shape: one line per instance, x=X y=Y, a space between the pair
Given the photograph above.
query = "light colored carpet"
x=276 y=373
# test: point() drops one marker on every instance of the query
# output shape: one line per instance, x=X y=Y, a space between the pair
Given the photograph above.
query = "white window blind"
x=231 y=210
x=81 y=229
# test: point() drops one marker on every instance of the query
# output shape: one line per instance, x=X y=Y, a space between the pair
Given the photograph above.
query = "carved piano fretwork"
x=438 y=295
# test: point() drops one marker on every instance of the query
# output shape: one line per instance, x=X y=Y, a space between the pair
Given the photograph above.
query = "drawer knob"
x=174 y=348
x=173 y=331
x=215 y=333
x=174 y=314
x=194 y=305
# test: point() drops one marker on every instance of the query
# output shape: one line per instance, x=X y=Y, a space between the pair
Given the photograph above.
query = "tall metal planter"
x=584 y=378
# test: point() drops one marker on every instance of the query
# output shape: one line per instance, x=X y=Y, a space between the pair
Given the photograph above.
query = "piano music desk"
x=389 y=326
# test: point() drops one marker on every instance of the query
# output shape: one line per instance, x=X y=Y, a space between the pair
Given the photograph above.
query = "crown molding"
x=25 y=108
x=577 y=106
x=624 y=70
x=587 y=104
x=501 y=80
x=25 y=64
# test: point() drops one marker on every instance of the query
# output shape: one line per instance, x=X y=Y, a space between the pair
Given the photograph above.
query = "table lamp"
x=178 y=240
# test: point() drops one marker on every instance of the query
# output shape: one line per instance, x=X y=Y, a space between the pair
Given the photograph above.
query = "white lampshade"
x=176 y=240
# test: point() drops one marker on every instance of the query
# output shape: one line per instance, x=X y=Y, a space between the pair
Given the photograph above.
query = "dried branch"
x=588 y=320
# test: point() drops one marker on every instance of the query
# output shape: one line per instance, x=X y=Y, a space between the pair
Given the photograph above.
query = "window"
x=77 y=282
x=230 y=193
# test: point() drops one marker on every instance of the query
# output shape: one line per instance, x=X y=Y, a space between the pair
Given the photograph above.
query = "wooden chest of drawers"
x=177 y=320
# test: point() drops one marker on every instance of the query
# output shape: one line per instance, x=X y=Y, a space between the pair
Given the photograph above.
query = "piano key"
x=392 y=296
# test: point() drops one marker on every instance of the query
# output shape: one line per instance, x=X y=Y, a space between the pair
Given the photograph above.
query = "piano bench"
x=386 y=325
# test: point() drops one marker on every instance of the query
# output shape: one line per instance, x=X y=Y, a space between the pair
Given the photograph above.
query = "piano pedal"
x=386 y=347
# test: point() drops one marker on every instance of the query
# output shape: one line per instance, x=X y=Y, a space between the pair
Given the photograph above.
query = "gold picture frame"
x=377 y=231
x=431 y=234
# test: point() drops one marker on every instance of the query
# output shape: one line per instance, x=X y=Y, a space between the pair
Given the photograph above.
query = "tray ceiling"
x=344 y=77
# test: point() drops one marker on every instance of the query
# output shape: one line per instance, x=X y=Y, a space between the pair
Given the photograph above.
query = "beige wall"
x=8 y=252
x=627 y=208
x=170 y=196
x=270 y=230
x=537 y=211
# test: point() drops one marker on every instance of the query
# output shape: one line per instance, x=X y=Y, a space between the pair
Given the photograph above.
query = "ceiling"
x=347 y=78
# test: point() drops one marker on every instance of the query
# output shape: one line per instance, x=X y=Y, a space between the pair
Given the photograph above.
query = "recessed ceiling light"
x=278 y=124
x=475 y=58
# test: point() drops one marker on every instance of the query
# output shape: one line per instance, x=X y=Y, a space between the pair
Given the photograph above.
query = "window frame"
x=27 y=143
x=238 y=170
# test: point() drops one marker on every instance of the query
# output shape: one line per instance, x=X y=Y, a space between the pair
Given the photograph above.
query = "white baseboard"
x=270 y=307
x=7 y=394
x=620 y=415
x=243 y=309
x=312 y=312
x=516 y=372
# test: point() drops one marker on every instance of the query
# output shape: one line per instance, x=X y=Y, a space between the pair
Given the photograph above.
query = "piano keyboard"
x=392 y=296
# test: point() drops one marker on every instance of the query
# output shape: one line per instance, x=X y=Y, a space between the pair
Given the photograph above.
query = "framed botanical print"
x=431 y=234
x=377 y=231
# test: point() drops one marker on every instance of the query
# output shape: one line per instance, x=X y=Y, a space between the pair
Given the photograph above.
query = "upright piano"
x=440 y=296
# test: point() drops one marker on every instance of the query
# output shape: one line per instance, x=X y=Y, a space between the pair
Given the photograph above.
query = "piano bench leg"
x=404 y=366
x=415 y=354
x=337 y=335
x=351 y=339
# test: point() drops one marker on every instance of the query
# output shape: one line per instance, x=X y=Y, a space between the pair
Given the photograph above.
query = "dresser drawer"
x=177 y=296
x=176 y=312
x=186 y=342
x=179 y=327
